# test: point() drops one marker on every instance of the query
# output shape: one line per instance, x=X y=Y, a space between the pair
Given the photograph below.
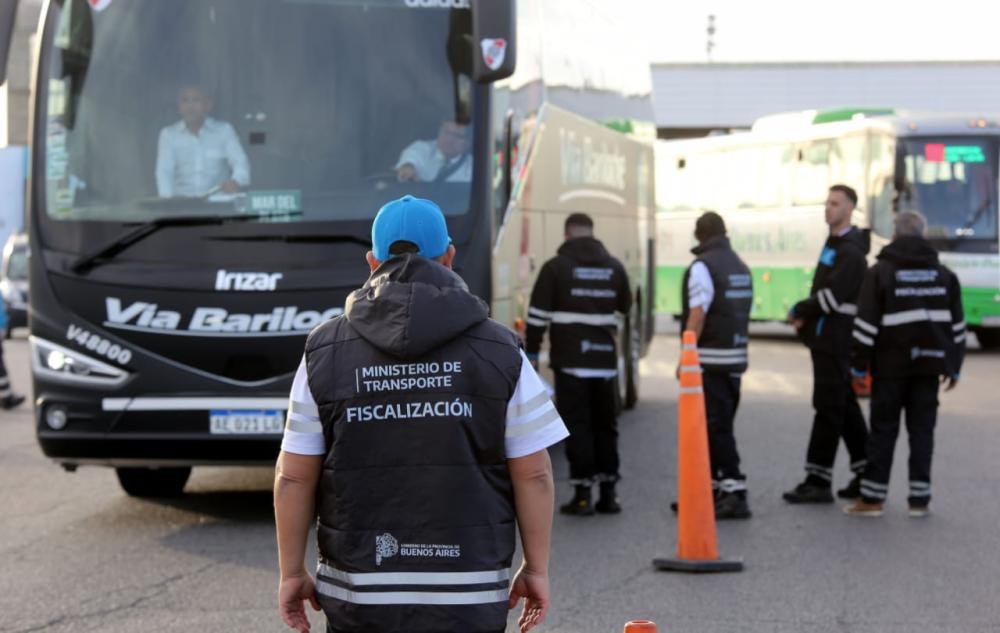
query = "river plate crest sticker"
x=494 y=51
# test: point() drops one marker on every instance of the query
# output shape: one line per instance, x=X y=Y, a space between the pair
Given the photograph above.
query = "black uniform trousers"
x=722 y=398
x=587 y=406
x=837 y=415
x=918 y=395
x=4 y=379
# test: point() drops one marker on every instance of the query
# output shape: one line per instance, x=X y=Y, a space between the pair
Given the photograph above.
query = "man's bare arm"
x=295 y=481
x=696 y=321
x=534 y=500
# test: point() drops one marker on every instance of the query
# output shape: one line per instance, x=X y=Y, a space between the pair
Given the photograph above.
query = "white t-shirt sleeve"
x=701 y=291
x=532 y=420
x=303 y=430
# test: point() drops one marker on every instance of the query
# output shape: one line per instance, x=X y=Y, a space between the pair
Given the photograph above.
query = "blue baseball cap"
x=410 y=219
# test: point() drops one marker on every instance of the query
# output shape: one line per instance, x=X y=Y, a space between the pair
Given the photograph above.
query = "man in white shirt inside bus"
x=199 y=156
x=444 y=159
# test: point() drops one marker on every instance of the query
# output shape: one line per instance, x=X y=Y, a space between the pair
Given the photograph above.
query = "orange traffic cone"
x=640 y=626
x=697 y=550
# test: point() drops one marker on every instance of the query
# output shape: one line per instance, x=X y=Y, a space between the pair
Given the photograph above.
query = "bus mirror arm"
x=508 y=157
x=8 y=14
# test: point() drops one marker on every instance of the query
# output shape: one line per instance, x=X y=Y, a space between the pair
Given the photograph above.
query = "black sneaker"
x=580 y=504
x=729 y=505
x=807 y=492
x=607 y=503
x=919 y=511
x=11 y=401
x=852 y=490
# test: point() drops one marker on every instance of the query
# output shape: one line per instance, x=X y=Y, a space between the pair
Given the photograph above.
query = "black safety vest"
x=415 y=503
x=722 y=346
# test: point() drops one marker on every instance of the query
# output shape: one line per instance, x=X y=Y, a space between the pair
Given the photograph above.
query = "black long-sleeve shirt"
x=910 y=319
x=829 y=311
x=576 y=296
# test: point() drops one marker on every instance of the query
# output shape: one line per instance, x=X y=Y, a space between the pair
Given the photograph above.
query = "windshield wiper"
x=315 y=238
x=108 y=252
x=983 y=208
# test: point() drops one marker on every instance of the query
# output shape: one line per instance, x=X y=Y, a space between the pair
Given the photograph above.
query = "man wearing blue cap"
x=416 y=435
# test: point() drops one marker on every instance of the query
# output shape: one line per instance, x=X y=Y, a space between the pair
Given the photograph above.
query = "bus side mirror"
x=8 y=12
x=494 y=36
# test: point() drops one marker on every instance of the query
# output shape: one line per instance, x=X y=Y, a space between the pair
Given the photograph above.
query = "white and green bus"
x=770 y=183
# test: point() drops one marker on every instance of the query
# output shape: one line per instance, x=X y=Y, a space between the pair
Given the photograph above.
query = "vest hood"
x=584 y=250
x=410 y=305
x=910 y=251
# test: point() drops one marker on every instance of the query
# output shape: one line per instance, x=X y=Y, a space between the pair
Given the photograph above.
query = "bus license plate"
x=246 y=422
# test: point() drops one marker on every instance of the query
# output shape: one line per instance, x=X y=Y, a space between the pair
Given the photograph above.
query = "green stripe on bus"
x=777 y=289
x=981 y=303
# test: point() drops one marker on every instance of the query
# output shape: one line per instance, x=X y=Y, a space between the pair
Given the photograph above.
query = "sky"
x=808 y=30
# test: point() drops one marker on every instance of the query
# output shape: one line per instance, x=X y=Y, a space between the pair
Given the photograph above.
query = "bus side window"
x=881 y=186
x=812 y=174
x=847 y=166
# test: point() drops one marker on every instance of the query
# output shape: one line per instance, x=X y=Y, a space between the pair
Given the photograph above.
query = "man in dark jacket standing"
x=8 y=399
x=577 y=294
x=416 y=434
x=717 y=299
x=824 y=321
x=910 y=331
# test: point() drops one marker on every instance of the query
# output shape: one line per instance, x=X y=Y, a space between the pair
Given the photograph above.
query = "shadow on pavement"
x=242 y=506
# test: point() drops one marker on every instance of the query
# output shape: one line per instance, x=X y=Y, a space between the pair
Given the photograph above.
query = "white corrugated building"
x=693 y=99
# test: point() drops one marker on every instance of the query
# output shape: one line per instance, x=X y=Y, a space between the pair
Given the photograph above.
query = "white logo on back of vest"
x=386 y=546
x=589 y=346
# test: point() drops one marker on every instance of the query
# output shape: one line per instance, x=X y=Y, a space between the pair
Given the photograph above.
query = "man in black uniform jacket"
x=577 y=294
x=910 y=331
x=824 y=322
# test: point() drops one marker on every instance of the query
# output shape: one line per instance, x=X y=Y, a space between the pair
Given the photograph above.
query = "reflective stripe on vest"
x=411 y=597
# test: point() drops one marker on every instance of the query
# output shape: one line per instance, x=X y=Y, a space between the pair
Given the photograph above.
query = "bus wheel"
x=989 y=338
x=633 y=348
x=153 y=482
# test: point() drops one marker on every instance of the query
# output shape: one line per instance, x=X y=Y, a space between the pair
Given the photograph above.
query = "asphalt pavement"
x=79 y=555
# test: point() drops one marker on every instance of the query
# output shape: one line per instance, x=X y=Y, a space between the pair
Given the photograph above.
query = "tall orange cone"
x=697 y=549
x=640 y=626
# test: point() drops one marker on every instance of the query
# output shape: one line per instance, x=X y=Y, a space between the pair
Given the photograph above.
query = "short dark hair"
x=578 y=219
x=851 y=194
x=709 y=225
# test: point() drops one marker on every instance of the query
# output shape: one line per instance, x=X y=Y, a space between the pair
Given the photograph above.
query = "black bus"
x=174 y=275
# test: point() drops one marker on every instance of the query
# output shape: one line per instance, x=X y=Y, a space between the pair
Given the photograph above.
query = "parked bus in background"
x=204 y=176
x=770 y=184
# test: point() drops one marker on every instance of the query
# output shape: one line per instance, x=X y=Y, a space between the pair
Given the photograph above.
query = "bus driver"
x=444 y=159
x=199 y=155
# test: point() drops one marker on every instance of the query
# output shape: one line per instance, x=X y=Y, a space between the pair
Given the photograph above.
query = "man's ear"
x=448 y=257
x=372 y=262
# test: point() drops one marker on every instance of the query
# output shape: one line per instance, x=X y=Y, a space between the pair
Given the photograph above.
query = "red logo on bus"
x=934 y=152
x=494 y=50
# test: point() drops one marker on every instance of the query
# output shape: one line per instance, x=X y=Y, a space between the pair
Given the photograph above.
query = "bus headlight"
x=55 y=362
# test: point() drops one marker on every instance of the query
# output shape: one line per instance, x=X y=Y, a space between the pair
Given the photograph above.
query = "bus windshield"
x=952 y=181
x=293 y=110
